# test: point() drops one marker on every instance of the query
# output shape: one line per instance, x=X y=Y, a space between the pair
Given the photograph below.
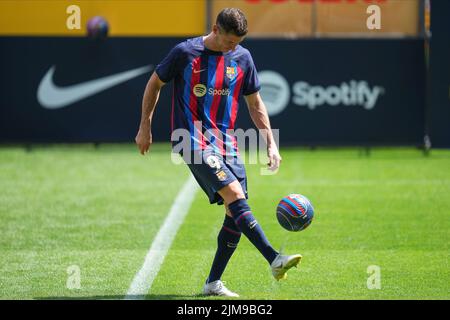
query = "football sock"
x=247 y=223
x=227 y=241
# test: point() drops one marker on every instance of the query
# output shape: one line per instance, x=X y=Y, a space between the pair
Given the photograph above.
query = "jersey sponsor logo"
x=231 y=72
x=219 y=92
x=199 y=90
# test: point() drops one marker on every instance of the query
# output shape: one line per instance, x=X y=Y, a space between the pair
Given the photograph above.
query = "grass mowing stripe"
x=143 y=280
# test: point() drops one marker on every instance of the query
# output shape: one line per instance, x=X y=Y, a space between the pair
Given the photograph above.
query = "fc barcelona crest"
x=231 y=72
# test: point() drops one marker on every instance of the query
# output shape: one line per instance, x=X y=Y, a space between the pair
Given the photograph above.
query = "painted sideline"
x=143 y=280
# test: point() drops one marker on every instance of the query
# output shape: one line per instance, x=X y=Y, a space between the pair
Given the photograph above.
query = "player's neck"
x=210 y=43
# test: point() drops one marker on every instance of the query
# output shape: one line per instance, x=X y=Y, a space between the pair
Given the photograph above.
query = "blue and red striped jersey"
x=207 y=88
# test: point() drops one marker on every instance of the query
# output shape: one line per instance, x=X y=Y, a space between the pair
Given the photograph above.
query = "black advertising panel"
x=77 y=89
x=318 y=91
x=439 y=122
x=344 y=91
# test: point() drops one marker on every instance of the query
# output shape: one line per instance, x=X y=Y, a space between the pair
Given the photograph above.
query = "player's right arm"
x=164 y=73
x=151 y=94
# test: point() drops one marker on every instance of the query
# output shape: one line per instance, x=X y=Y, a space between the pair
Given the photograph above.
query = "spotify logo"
x=199 y=90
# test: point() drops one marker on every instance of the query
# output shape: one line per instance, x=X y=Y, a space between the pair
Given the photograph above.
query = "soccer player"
x=210 y=74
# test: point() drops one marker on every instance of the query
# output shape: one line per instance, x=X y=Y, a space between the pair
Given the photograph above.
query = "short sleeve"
x=170 y=65
x=251 y=80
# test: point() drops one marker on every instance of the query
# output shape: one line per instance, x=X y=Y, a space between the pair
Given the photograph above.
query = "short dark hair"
x=232 y=20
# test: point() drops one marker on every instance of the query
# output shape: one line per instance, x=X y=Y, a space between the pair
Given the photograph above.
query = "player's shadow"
x=122 y=297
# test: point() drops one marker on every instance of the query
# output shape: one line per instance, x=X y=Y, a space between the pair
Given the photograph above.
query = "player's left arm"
x=260 y=118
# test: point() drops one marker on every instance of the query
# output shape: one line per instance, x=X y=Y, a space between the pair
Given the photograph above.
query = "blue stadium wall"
x=319 y=91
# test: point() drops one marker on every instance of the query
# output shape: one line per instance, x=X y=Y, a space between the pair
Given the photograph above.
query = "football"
x=295 y=212
x=97 y=28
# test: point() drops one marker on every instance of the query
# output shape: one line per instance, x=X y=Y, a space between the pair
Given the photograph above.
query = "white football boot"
x=282 y=264
x=217 y=288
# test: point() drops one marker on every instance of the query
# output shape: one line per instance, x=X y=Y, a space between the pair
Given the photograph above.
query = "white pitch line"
x=143 y=280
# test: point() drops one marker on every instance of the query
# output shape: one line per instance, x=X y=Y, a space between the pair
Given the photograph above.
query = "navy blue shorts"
x=213 y=172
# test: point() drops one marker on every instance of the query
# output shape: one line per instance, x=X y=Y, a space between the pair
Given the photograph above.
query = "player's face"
x=227 y=41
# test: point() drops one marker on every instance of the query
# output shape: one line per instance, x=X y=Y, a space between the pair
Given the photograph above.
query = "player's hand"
x=274 y=158
x=144 y=139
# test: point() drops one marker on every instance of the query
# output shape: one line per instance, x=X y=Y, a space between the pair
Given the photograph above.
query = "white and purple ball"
x=295 y=212
x=97 y=28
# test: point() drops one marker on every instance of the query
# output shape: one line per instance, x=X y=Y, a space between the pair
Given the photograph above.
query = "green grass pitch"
x=98 y=209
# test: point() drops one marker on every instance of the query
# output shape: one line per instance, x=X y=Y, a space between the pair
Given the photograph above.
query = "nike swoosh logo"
x=50 y=96
x=253 y=224
x=198 y=71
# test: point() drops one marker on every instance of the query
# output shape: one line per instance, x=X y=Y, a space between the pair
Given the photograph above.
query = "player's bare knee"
x=232 y=192
x=227 y=211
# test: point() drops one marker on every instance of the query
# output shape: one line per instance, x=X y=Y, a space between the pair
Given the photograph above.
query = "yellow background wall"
x=126 y=18
x=189 y=17
x=267 y=18
x=397 y=17
x=292 y=17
